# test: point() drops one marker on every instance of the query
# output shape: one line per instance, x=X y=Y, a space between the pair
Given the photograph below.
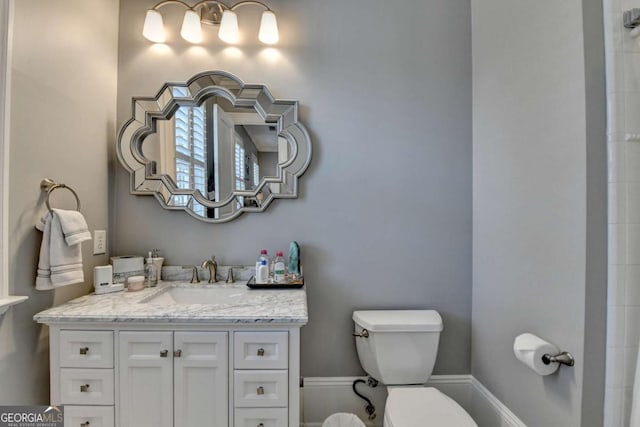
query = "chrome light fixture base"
x=210 y=12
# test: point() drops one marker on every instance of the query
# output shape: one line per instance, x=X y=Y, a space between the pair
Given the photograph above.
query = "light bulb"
x=191 y=29
x=229 y=27
x=153 y=28
x=268 y=28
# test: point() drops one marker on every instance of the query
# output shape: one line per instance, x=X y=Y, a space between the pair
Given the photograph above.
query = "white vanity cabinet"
x=84 y=376
x=176 y=375
x=173 y=374
x=260 y=376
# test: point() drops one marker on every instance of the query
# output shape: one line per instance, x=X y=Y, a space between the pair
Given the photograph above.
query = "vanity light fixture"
x=210 y=12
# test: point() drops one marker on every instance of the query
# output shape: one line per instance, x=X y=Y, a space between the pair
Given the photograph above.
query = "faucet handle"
x=230 y=278
x=194 y=273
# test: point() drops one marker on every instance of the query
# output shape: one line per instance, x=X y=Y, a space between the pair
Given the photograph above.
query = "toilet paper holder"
x=564 y=358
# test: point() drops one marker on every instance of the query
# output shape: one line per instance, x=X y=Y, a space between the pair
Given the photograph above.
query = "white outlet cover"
x=99 y=242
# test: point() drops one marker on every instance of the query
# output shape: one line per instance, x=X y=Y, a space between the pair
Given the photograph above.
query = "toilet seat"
x=424 y=407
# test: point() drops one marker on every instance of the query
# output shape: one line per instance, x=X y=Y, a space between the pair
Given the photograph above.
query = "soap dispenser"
x=157 y=261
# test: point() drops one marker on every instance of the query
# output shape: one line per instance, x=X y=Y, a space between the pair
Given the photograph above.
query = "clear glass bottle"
x=150 y=273
x=279 y=268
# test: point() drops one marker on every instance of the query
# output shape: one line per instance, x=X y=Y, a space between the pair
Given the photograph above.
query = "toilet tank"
x=401 y=346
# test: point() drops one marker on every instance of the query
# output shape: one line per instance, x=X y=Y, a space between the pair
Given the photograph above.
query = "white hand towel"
x=43 y=276
x=74 y=226
x=60 y=262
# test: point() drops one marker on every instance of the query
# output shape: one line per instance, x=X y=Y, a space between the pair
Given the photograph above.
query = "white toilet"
x=399 y=348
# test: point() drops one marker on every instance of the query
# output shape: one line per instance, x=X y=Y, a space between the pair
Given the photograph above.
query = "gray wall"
x=62 y=122
x=539 y=200
x=384 y=213
x=268 y=163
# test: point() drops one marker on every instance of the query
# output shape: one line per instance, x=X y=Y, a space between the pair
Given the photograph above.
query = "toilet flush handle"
x=362 y=334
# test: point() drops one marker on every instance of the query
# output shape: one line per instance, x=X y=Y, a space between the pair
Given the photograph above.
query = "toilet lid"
x=424 y=407
x=398 y=320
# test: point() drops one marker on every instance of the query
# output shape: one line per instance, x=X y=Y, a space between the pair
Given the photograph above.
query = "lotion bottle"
x=262 y=273
x=264 y=257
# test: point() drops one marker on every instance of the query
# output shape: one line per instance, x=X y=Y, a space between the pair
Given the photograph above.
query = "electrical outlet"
x=99 y=242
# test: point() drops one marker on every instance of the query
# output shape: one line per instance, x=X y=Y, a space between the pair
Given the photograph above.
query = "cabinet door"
x=146 y=379
x=201 y=379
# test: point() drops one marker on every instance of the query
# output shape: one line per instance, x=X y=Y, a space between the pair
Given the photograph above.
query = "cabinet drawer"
x=88 y=416
x=86 y=386
x=260 y=417
x=261 y=350
x=259 y=389
x=86 y=349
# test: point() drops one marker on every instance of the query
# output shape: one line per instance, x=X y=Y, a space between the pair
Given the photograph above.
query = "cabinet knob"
x=261 y=352
x=85 y=424
x=260 y=391
x=260 y=425
x=164 y=353
x=177 y=353
x=84 y=388
x=84 y=350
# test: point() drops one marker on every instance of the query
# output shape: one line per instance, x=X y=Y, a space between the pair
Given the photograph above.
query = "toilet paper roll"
x=530 y=348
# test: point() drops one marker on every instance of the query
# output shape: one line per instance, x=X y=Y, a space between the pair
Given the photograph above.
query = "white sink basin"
x=197 y=295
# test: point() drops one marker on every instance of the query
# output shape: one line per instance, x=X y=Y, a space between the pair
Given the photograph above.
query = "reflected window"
x=191 y=148
x=239 y=169
x=256 y=170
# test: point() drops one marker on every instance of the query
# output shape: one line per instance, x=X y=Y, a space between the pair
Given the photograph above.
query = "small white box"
x=126 y=266
x=103 y=280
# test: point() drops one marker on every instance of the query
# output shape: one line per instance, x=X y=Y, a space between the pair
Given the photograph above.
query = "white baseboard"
x=323 y=396
x=488 y=410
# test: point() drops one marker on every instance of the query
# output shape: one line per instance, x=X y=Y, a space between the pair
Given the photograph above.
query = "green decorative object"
x=294 y=259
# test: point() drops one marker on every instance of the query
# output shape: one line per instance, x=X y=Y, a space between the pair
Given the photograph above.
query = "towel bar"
x=48 y=185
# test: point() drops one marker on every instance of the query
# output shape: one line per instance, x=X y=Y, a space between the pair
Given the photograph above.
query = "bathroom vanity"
x=178 y=355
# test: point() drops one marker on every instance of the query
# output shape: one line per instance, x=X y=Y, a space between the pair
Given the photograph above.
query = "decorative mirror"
x=214 y=147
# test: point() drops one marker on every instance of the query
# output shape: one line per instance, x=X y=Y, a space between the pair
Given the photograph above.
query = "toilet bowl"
x=399 y=348
x=423 y=407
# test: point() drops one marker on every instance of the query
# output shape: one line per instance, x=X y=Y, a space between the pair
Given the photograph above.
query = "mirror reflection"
x=216 y=148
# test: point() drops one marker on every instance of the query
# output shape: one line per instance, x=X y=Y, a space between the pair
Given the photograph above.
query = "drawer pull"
x=84 y=350
x=260 y=425
x=261 y=352
x=85 y=424
x=164 y=353
x=260 y=391
x=84 y=388
x=177 y=353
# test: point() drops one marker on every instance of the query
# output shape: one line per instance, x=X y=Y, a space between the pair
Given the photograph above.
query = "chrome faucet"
x=194 y=273
x=213 y=269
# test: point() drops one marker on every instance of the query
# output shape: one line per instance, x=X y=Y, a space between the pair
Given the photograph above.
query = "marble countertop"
x=288 y=306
